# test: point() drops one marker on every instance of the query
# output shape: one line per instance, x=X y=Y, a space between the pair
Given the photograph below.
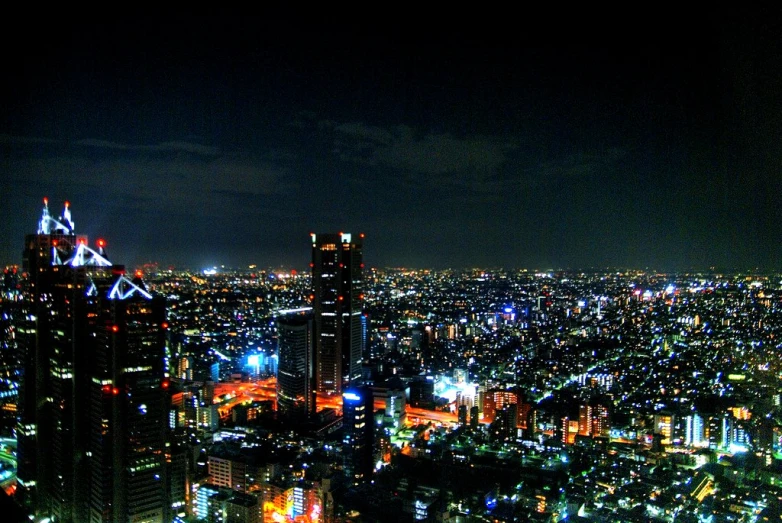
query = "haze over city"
x=648 y=143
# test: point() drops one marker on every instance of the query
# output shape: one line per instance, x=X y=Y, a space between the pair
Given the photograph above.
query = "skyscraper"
x=295 y=370
x=93 y=399
x=337 y=280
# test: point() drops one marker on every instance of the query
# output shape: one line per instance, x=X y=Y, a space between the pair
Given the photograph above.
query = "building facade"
x=358 y=436
x=296 y=367
x=93 y=395
x=337 y=281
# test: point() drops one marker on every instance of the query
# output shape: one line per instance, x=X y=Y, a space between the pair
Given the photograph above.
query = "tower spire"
x=43 y=225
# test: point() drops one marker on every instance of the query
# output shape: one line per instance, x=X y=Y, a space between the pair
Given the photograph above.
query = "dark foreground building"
x=358 y=424
x=296 y=367
x=93 y=398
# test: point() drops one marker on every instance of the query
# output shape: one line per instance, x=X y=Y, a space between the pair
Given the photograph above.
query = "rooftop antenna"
x=43 y=225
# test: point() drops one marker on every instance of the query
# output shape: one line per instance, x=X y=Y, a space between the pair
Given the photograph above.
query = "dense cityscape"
x=341 y=391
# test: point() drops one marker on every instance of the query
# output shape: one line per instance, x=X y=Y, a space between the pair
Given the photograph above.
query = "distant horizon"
x=305 y=243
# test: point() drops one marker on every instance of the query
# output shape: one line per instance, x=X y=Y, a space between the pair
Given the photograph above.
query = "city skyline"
x=501 y=394
x=649 y=145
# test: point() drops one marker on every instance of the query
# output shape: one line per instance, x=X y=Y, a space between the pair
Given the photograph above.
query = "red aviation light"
x=361 y=235
x=341 y=298
x=82 y=241
x=362 y=265
x=294 y=272
x=45 y=200
x=361 y=296
x=164 y=325
x=164 y=384
x=115 y=391
x=312 y=296
x=138 y=273
x=101 y=243
x=67 y=203
x=312 y=265
x=55 y=242
x=115 y=328
x=106 y=389
x=341 y=265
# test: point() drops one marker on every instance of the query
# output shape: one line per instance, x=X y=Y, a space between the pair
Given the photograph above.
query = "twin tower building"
x=94 y=397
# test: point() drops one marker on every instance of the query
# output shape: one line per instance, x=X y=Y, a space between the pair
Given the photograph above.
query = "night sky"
x=631 y=140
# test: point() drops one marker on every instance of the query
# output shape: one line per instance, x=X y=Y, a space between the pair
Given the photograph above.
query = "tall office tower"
x=128 y=406
x=295 y=369
x=93 y=417
x=59 y=267
x=337 y=280
x=358 y=438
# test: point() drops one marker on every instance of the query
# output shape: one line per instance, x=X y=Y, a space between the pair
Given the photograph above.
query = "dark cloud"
x=185 y=147
x=433 y=159
x=10 y=140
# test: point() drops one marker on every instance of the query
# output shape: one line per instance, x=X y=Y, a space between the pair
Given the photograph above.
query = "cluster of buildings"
x=343 y=393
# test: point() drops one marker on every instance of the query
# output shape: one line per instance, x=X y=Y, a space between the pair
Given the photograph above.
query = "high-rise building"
x=585 y=420
x=601 y=421
x=295 y=369
x=593 y=420
x=462 y=415
x=358 y=439
x=128 y=404
x=93 y=394
x=496 y=400
x=337 y=281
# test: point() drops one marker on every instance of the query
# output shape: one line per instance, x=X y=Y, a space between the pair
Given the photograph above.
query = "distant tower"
x=295 y=371
x=358 y=439
x=92 y=425
x=337 y=281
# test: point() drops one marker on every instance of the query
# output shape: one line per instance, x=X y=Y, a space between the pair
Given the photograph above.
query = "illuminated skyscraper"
x=295 y=380
x=93 y=399
x=337 y=280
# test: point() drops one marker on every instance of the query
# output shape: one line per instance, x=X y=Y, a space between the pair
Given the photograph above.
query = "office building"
x=295 y=370
x=337 y=281
x=128 y=407
x=358 y=436
x=93 y=396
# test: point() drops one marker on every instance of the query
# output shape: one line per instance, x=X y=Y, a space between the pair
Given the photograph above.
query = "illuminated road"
x=228 y=395
x=8 y=483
